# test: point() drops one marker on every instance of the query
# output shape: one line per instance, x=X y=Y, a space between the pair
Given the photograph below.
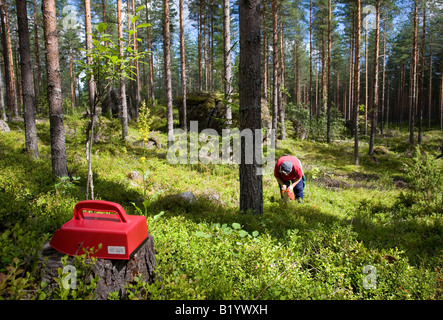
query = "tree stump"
x=113 y=275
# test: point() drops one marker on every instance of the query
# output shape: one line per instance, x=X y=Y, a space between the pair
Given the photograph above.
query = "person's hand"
x=291 y=188
x=284 y=187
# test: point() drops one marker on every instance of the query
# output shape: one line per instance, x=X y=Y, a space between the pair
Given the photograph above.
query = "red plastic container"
x=290 y=194
x=119 y=234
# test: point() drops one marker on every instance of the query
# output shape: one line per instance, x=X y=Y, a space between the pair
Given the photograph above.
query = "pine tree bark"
x=441 y=93
x=88 y=36
x=251 y=184
x=151 y=86
x=227 y=59
x=421 y=78
x=413 y=92
x=167 y=69
x=28 y=93
x=137 y=69
x=11 y=91
x=57 y=131
x=430 y=90
x=275 y=72
x=382 y=105
x=329 y=86
x=282 y=84
x=2 y=101
x=200 y=40
x=183 y=67
x=72 y=79
x=123 y=103
x=374 y=111
x=310 y=64
x=356 y=89
x=37 y=55
x=265 y=53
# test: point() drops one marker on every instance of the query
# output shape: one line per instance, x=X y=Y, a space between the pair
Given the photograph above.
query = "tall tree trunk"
x=205 y=47
x=296 y=88
x=92 y=106
x=265 y=53
x=37 y=56
x=366 y=76
x=275 y=72
x=413 y=93
x=324 y=74
x=57 y=131
x=310 y=64
x=282 y=84
x=123 y=103
x=382 y=105
x=151 y=85
x=11 y=91
x=374 y=111
x=136 y=64
x=2 y=101
x=200 y=40
x=88 y=36
x=27 y=80
x=227 y=59
x=329 y=87
x=251 y=183
x=183 y=66
x=72 y=79
x=421 y=78
x=167 y=68
x=441 y=93
x=356 y=99
x=430 y=91
x=18 y=78
x=350 y=112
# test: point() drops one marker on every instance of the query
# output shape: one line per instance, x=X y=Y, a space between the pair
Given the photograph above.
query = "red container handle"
x=101 y=206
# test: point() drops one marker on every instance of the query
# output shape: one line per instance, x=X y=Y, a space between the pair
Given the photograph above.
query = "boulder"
x=206 y=108
x=187 y=196
x=4 y=126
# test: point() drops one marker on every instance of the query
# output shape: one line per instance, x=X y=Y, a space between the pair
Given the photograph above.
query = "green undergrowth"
x=385 y=215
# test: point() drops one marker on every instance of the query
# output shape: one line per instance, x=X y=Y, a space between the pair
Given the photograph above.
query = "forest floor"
x=383 y=214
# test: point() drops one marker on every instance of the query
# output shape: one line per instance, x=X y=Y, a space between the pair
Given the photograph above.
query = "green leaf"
x=159 y=215
x=202 y=234
x=134 y=18
x=236 y=225
x=137 y=208
x=255 y=233
x=139 y=9
x=243 y=233
x=143 y=25
x=101 y=27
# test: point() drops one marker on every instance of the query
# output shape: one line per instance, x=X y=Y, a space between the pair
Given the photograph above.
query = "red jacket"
x=296 y=172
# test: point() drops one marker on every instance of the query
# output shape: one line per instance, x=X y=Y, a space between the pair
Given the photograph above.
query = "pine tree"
x=123 y=103
x=167 y=70
x=10 y=82
x=27 y=79
x=57 y=131
x=251 y=184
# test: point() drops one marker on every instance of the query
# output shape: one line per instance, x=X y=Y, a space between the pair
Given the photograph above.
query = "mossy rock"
x=207 y=108
x=381 y=150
